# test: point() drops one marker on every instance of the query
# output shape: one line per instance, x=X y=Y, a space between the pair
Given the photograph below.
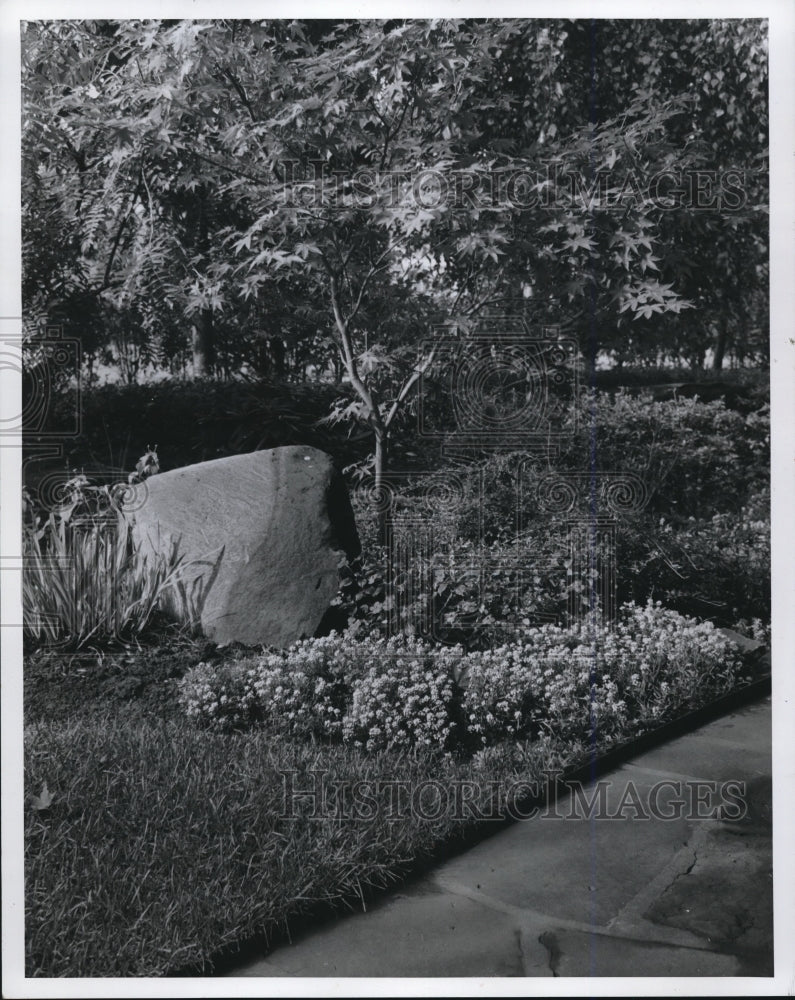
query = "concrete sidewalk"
x=581 y=896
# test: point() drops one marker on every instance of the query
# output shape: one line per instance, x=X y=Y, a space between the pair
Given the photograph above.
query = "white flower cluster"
x=215 y=695
x=590 y=677
x=502 y=686
x=402 y=701
x=377 y=692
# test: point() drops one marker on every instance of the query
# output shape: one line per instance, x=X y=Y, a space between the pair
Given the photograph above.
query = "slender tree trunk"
x=277 y=353
x=741 y=348
x=379 y=467
x=378 y=420
x=204 y=344
x=204 y=334
x=721 y=343
x=381 y=447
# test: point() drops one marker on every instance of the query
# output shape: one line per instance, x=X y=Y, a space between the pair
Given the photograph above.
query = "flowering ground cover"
x=586 y=681
x=165 y=829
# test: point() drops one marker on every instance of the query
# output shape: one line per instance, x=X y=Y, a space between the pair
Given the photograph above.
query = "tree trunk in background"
x=277 y=356
x=204 y=332
x=697 y=359
x=204 y=344
x=721 y=343
x=741 y=349
x=380 y=454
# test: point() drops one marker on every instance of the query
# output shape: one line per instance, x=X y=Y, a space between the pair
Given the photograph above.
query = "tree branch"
x=407 y=387
x=365 y=394
x=117 y=238
x=362 y=288
x=235 y=171
x=241 y=93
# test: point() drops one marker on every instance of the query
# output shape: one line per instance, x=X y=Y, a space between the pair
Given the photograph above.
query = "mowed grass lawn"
x=154 y=845
x=164 y=844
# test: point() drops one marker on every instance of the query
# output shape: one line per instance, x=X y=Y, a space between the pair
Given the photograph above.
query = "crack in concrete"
x=520 y=946
x=680 y=864
x=679 y=875
x=687 y=871
x=550 y=941
x=528 y=917
x=745 y=921
x=656 y=772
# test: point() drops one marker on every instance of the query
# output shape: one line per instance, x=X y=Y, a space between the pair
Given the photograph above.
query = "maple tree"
x=344 y=188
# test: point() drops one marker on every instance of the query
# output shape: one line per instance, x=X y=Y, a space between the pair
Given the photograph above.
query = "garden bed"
x=165 y=846
x=155 y=843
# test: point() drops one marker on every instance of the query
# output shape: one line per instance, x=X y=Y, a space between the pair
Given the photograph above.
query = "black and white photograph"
x=397 y=440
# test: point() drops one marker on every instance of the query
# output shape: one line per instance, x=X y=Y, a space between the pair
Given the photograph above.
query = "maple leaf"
x=580 y=241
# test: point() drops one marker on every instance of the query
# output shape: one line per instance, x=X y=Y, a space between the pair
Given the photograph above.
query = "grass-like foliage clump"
x=84 y=579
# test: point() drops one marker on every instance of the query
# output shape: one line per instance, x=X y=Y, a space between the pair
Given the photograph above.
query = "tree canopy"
x=340 y=189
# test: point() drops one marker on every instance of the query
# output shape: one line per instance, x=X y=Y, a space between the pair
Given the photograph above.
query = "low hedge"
x=189 y=421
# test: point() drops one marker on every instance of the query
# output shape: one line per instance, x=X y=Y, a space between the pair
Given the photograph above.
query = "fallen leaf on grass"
x=43 y=801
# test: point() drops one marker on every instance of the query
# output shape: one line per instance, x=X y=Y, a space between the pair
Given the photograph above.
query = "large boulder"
x=261 y=535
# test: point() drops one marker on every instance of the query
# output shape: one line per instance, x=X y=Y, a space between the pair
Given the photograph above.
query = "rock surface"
x=262 y=535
